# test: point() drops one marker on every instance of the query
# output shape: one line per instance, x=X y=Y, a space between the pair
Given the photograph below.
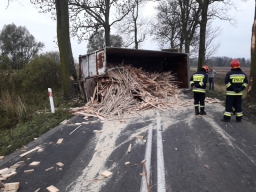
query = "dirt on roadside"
x=249 y=110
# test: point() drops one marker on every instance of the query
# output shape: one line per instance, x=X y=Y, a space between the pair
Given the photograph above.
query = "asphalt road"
x=182 y=153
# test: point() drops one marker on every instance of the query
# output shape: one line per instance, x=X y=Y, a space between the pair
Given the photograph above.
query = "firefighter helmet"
x=206 y=68
x=235 y=64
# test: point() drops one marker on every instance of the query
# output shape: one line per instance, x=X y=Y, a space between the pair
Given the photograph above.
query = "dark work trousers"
x=199 y=99
x=236 y=102
x=211 y=83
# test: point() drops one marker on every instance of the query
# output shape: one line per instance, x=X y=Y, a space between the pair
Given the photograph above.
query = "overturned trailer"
x=97 y=63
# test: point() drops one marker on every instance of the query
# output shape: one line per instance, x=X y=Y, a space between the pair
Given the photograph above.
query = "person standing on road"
x=211 y=75
x=236 y=81
x=198 y=83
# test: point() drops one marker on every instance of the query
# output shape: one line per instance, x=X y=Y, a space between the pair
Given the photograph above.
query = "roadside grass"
x=219 y=90
x=23 y=133
x=38 y=120
x=24 y=102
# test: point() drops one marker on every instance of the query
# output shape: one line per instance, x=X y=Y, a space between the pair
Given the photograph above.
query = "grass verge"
x=23 y=133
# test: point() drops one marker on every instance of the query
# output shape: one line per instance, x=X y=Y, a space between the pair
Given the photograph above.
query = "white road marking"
x=160 y=158
x=143 y=186
x=74 y=130
x=228 y=138
x=250 y=158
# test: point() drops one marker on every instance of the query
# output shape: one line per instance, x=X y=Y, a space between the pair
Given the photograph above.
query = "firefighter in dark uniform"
x=198 y=83
x=236 y=81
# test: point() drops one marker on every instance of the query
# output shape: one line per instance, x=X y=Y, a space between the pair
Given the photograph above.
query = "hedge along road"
x=182 y=152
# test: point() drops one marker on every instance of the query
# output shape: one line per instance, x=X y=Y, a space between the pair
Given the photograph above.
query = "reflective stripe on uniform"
x=191 y=82
x=234 y=93
x=228 y=85
x=245 y=84
x=239 y=114
x=196 y=105
x=198 y=90
x=237 y=78
x=227 y=114
x=198 y=77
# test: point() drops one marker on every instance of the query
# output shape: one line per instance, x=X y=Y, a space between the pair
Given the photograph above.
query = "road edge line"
x=143 y=186
x=160 y=158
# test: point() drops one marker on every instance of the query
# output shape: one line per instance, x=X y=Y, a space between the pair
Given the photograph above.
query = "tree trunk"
x=66 y=56
x=107 y=27
x=203 y=24
x=136 y=36
x=135 y=18
x=252 y=80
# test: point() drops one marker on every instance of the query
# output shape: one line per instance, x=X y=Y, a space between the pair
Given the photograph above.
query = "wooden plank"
x=129 y=148
x=49 y=169
x=106 y=173
x=2 y=171
x=11 y=186
x=9 y=174
x=34 y=163
x=2 y=178
x=59 y=141
x=52 y=189
x=139 y=137
x=64 y=122
x=18 y=164
x=8 y=171
x=88 y=114
x=30 y=151
x=60 y=164
x=29 y=171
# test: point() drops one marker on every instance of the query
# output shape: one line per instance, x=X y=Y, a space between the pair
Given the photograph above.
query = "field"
x=223 y=70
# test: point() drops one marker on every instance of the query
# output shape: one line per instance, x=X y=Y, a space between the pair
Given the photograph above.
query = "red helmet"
x=206 y=68
x=235 y=64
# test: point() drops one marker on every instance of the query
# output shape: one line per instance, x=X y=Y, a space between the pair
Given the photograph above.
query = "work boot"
x=196 y=111
x=202 y=112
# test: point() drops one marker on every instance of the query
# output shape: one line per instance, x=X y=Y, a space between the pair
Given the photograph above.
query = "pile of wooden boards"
x=125 y=88
x=9 y=172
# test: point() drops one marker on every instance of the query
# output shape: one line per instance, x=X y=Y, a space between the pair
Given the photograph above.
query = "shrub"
x=43 y=72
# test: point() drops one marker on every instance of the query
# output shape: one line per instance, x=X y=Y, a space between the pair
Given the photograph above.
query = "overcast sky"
x=235 y=41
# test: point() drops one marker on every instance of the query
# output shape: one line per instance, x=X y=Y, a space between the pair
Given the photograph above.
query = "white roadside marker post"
x=51 y=100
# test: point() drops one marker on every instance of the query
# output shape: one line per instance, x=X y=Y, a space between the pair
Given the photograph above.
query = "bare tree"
x=166 y=29
x=190 y=13
x=211 y=46
x=87 y=17
x=252 y=80
x=211 y=35
x=96 y=41
x=177 y=22
x=134 y=27
x=210 y=9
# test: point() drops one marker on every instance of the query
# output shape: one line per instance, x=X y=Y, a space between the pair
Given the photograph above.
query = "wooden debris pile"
x=126 y=88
